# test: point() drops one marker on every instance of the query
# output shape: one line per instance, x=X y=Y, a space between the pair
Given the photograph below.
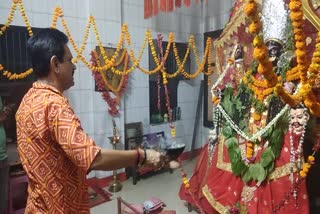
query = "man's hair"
x=42 y=46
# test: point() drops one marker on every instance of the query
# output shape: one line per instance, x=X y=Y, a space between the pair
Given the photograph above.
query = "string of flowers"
x=159 y=43
x=109 y=62
x=186 y=184
x=305 y=94
x=207 y=53
x=7 y=73
x=260 y=50
x=102 y=85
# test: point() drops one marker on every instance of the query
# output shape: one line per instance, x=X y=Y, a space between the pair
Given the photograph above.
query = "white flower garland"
x=257 y=134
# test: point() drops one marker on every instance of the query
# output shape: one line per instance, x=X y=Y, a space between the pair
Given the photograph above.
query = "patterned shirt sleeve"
x=66 y=129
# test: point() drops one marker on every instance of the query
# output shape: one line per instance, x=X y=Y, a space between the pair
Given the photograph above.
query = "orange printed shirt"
x=55 y=152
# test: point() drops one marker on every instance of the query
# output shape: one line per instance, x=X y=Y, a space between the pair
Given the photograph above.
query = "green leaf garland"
x=275 y=135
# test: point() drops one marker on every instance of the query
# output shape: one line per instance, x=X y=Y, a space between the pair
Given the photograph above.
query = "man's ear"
x=54 y=64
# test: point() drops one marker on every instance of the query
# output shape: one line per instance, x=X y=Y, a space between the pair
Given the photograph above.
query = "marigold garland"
x=260 y=52
x=6 y=73
x=109 y=62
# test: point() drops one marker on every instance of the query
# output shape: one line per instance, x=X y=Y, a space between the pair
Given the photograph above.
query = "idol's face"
x=274 y=51
x=298 y=119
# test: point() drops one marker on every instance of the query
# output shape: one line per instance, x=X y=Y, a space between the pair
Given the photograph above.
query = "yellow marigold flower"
x=257 y=41
x=1 y=67
x=256 y=117
x=316 y=54
x=187 y=185
x=311 y=158
x=300 y=53
x=249 y=150
x=249 y=145
x=305 y=169
x=303 y=174
x=300 y=44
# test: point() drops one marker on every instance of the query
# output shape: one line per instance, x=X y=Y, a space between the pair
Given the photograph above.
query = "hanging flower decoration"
x=108 y=62
x=262 y=88
x=305 y=169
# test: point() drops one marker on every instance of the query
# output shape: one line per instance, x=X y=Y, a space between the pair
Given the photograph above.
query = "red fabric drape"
x=163 y=5
x=170 y=5
x=147 y=8
x=155 y=7
x=178 y=3
x=187 y=3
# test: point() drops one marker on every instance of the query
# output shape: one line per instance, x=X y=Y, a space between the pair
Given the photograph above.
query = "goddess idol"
x=253 y=162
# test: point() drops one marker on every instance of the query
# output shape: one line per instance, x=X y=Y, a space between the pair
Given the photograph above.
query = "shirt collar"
x=41 y=85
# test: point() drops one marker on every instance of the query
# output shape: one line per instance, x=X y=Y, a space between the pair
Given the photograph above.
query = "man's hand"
x=152 y=158
x=157 y=160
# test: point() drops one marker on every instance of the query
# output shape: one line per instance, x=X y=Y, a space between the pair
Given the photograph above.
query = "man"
x=54 y=150
x=4 y=167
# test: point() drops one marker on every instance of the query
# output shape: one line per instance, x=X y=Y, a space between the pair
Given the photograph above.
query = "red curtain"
x=163 y=5
x=155 y=7
x=147 y=8
x=187 y=3
x=170 y=5
x=178 y=3
x=151 y=7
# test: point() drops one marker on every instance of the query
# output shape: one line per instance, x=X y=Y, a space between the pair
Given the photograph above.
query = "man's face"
x=298 y=118
x=67 y=69
x=274 y=51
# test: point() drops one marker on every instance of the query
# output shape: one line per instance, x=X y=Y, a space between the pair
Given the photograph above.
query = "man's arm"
x=113 y=159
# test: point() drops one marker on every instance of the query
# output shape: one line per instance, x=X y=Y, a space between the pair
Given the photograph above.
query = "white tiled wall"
x=110 y=15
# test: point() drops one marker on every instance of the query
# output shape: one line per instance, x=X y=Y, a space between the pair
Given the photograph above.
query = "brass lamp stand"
x=115 y=185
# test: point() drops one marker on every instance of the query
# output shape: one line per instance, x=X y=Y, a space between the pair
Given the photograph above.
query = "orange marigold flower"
x=260 y=54
x=256 y=117
x=296 y=15
x=300 y=53
x=255 y=27
x=249 y=145
x=303 y=174
x=300 y=44
x=214 y=98
x=311 y=158
x=250 y=8
x=265 y=69
x=297 y=24
x=295 y=5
